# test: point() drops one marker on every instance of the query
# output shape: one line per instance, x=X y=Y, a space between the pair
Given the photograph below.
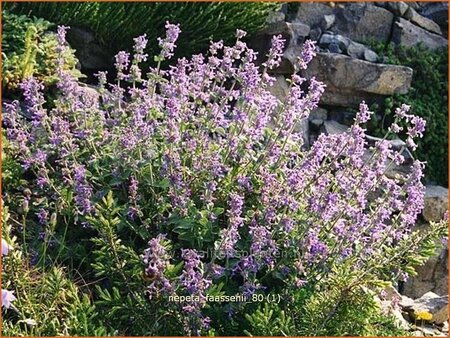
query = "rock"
x=400 y=320
x=382 y=4
x=398 y=8
x=349 y=81
x=333 y=127
x=341 y=41
x=431 y=276
x=391 y=294
x=370 y=55
x=415 y=5
x=422 y=21
x=436 y=11
x=316 y=124
x=359 y=21
x=406 y=303
x=275 y=17
x=302 y=128
x=430 y=303
x=396 y=145
x=91 y=54
x=291 y=30
x=390 y=298
x=315 y=34
x=318 y=113
x=334 y=48
x=407 y=34
x=327 y=21
x=436 y=203
x=311 y=13
x=428 y=330
x=280 y=88
x=300 y=29
x=90 y=94
x=445 y=327
x=356 y=50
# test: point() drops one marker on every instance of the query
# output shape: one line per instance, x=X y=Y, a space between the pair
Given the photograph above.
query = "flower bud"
x=53 y=221
x=25 y=206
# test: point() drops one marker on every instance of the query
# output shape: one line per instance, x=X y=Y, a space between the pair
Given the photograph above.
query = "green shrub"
x=115 y=23
x=28 y=49
x=428 y=99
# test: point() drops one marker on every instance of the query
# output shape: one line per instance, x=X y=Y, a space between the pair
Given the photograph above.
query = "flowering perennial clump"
x=205 y=161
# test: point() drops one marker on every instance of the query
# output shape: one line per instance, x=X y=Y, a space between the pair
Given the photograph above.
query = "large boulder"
x=422 y=21
x=91 y=54
x=349 y=80
x=407 y=34
x=312 y=13
x=359 y=21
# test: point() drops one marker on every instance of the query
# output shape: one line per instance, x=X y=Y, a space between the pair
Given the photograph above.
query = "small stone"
x=356 y=50
x=316 y=124
x=370 y=55
x=327 y=21
x=334 y=48
x=341 y=41
x=299 y=29
x=406 y=302
x=315 y=34
x=318 y=113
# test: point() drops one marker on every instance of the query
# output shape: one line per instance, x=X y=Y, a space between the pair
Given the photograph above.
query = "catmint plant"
x=208 y=168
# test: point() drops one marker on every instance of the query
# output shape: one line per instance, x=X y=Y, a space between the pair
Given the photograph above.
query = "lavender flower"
x=140 y=43
x=83 y=191
x=156 y=258
x=6 y=248
x=307 y=54
x=168 y=44
x=42 y=215
x=7 y=298
x=121 y=64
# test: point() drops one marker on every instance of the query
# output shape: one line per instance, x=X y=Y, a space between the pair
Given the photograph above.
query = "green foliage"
x=428 y=99
x=29 y=49
x=48 y=304
x=115 y=23
x=270 y=320
x=11 y=169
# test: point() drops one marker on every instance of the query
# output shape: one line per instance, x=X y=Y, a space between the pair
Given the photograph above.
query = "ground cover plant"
x=174 y=189
x=29 y=49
